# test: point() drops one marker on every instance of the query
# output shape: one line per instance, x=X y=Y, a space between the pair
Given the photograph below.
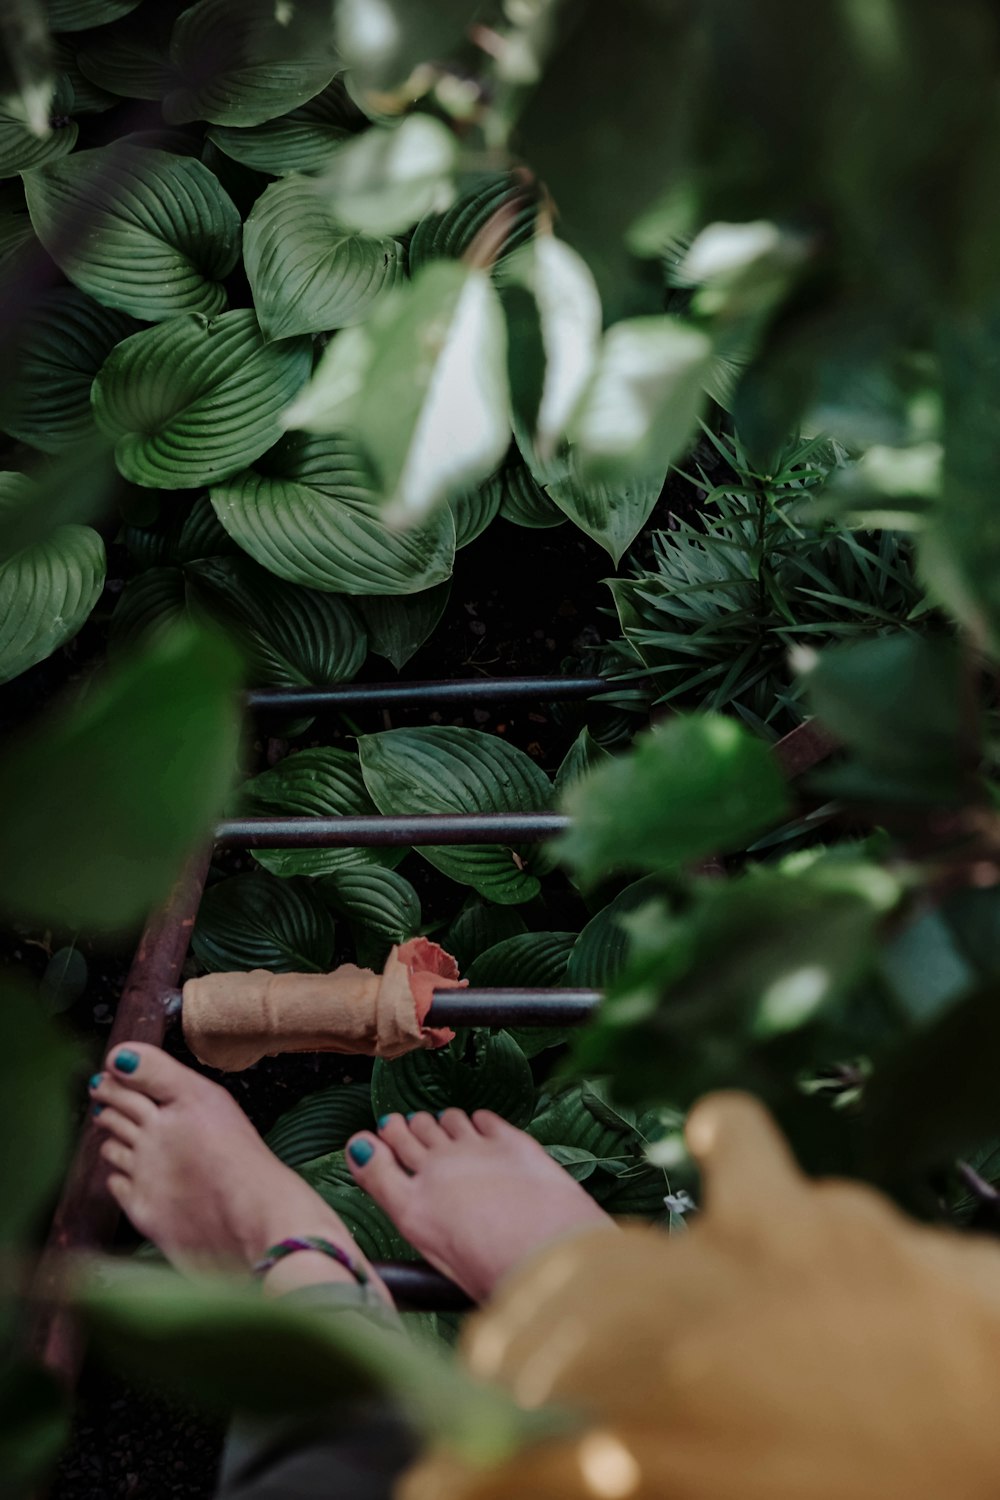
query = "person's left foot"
x=191 y=1172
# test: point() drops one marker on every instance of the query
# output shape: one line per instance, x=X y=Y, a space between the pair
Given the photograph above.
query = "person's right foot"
x=474 y=1195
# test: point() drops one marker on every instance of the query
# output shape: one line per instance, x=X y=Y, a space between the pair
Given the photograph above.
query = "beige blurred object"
x=804 y=1341
x=233 y=1020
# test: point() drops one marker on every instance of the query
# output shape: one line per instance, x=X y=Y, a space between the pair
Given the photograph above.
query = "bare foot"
x=194 y=1176
x=473 y=1195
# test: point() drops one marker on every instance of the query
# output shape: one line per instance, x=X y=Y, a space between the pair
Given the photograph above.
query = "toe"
x=148 y=1070
x=394 y=1130
x=115 y=1124
x=427 y=1130
x=107 y=1091
x=118 y=1155
x=375 y=1168
x=120 y=1188
x=489 y=1124
x=456 y=1123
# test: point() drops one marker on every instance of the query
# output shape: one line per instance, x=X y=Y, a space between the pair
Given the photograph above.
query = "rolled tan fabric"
x=233 y=1020
x=805 y=1341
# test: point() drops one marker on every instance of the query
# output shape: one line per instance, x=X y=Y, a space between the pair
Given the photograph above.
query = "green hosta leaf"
x=374 y=1233
x=193 y=400
x=532 y=960
x=301 y=141
x=431 y=406
x=381 y=901
x=21 y=149
x=86 y=98
x=695 y=786
x=524 y=502
x=449 y=235
x=307 y=274
x=257 y=922
x=308 y=512
x=79 y=15
x=154 y=602
x=19 y=248
x=583 y=756
x=323 y=783
x=475 y=1071
x=76 y=485
x=641 y=412
x=123 y=786
x=529 y=960
x=48 y=590
x=382 y=182
x=398 y=627
x=475 y=510
x=161 y=234
x=61 y=346
x=321 y=1123
x=601 y=950
x=132 y=58
x=614 y=513
x=554 y=330
x=244 y=65
x=450 y=770
x=292 y=637
x=480 y=925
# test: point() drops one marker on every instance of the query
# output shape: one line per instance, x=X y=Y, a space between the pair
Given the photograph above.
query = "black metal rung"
x=486 y=1007
x=397 y=694
x=396 y=831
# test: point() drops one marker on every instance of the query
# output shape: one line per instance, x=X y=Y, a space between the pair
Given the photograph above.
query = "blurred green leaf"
x=37 y=1068
x=34 y=1427
x=385 y=180
x=692 y=787
x=102 y=801
x=384 y=47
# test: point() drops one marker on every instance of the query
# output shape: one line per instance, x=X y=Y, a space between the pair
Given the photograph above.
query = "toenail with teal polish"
x=383 y=1121
x=438 y=1113
x=96 y=1081
x=361 y=1152
x=127 y=1062
x=95 y=1109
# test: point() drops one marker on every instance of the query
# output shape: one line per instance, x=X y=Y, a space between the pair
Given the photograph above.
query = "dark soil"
x=522 y=602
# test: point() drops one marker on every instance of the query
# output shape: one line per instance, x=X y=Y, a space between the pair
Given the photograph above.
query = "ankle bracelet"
x=309 y=1242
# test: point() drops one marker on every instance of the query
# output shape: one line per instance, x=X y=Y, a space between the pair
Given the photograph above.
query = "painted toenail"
x=96 y=1081
x=361 y=1152
x=438 y=1114
x=412 y=1115
x=383 y=1121
x=127 y=1062
x=95 y=1109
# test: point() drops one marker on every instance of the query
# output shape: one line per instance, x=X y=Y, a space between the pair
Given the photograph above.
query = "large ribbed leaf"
x=323 y=783
x=301 y=141
x=18 y=245
x=321 y=1123
x=291 y=637
x=613 y=514
x=480 y=925
x=531 y=960
x=448 y=236
x=475 y=510
x=578 y=1122
x=132 y=58
x=524 y=501
x=78 y=15
x=86 y=97
x=257 y=922
x=374 y=1233
x=442 y=769
x=150 y=603
x=308 y=512
x=307 y=274
x=139 y=229
x=380 y=900
x=584 y=755
x=191 y=401
x=48 y=590
x=475 y=1071
x=61 y=346
x=21 y=149
x=398 y=627
x=602 y=947
x=242 y=64
x=424 y=387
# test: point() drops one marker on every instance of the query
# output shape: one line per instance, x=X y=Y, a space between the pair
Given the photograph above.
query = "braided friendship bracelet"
x=310 y=1242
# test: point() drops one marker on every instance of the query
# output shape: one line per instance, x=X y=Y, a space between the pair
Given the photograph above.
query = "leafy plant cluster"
x=536 y=224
